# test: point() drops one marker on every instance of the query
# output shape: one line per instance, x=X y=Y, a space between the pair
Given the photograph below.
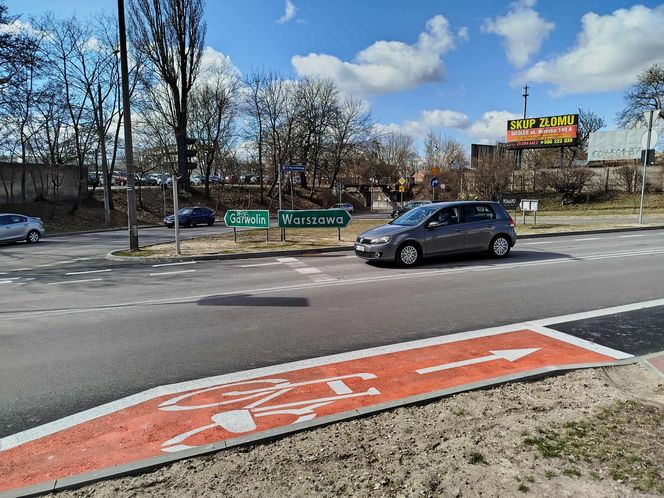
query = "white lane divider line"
x=587 y=238
x=22 y=269
x=76 y=281
x=174 y=264
x=256 y=265
x=533 y=243
x=629 y=236
x=171 y=272
x=308 y=270
x=44 y=265
x=288 y=260
x=87 y=271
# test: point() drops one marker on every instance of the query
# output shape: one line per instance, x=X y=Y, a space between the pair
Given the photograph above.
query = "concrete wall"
x=22 y=183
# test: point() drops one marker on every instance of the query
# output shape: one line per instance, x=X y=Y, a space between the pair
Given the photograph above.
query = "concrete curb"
x=98 y=230
x=151 y=464
x=297 y=252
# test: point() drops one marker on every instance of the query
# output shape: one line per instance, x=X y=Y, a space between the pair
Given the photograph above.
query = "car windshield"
x=415 y=216
x=184 y=211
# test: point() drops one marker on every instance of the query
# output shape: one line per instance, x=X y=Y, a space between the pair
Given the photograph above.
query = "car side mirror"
x=434 y=224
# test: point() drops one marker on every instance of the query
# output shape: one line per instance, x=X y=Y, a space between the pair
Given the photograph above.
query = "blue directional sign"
x=292 y=167
x=435 y=182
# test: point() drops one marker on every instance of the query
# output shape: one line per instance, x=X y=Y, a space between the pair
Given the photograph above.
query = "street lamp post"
x=129 y=147
x=650 y=118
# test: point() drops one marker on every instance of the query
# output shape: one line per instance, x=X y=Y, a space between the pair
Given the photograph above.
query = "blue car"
x=190 y=217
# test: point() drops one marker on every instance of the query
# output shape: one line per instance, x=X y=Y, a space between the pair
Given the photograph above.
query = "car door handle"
x=489 y=225
x=459 y=230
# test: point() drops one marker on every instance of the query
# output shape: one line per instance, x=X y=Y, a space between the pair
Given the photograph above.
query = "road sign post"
x=176 y=217
x=248 y=218
x=434 y=184
x=314 y=218
x=650 y=119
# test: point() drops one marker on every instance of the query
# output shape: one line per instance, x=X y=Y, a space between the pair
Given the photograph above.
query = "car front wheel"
x=500 y=247
x=409 y=254
x=33 y=236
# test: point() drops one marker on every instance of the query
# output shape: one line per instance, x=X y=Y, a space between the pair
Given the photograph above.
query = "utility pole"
x=650 y=119
x=129 y=146
x=104 y=162
x=524 y=93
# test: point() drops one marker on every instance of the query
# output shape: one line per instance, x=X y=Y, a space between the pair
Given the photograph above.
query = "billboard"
x=548 y=131
x=615 y=145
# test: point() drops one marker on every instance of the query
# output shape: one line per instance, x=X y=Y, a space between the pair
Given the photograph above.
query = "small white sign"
x=653 y=139
x=529 y=205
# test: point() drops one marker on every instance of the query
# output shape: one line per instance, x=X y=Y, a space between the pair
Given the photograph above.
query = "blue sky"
x=451 y=66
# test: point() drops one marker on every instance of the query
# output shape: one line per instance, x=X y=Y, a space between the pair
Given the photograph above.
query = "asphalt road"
x=82 y=332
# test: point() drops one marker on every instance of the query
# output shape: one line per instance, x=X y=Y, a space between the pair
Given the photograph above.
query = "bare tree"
x=396 y=155
x=17 y=51
x=645 y=95
x=253 y=108
x=170 y=35
x=589 y=122
x=350 y=128
x=493 y=174
x=214 y=104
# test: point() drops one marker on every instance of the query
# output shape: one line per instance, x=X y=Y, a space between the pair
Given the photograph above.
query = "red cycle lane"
x=180 y=420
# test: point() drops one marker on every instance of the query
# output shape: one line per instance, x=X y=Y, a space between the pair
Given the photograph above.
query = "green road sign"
x=314 y=218
x=238 y=218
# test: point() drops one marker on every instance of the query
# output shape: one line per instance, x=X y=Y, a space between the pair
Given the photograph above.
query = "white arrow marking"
x=505 y=354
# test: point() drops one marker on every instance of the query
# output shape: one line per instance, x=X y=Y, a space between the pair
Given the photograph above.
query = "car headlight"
x=381 y=240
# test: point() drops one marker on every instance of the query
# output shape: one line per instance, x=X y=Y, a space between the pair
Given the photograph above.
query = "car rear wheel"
x=33 y=236
x=500 y=247
x=409 y=254
x=210 y=223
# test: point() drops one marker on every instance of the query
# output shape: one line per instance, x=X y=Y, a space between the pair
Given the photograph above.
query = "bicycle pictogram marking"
x=256 y=402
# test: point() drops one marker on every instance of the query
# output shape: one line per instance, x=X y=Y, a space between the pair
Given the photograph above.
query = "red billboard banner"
x=549 y=131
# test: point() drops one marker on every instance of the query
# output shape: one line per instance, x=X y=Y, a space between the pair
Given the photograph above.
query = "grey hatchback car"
x=15 y=227
x=438 y=229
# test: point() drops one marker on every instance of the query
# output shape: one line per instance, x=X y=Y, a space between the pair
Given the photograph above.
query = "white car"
x=347 y=206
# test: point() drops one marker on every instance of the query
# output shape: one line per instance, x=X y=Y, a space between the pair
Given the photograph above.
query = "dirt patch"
x=608 y=425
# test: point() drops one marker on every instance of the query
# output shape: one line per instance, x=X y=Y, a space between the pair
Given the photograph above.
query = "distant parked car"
x=190 y=217
x=343 y=205
x=407 y=207
x=15 y=227
x=215 y=179
x=197 y=179
x=120 y=177
x=145 y=180
x=231 y=179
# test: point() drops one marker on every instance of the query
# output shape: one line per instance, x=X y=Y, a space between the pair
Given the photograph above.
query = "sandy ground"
x=603 y=429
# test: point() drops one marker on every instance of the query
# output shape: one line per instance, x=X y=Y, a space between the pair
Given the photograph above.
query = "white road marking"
x=505 y=354
x=533 y=243
x=47 y=264
x=288 y=260
x=22 y=269
x=175 y=264
x=308 y=270
x=629 y=236
x=14 y=440
x=587 y=238
x=260 y=264
x=360 y=280
x=171 y=272
x=339 y=387
x=75 y=281
x=87 y=271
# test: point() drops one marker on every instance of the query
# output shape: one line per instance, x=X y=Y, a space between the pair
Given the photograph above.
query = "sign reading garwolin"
x=549 y=131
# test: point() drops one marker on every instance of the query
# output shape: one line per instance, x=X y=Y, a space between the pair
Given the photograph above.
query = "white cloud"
x=523 y=30
x=289 y=13
x=610 y=52
x=436 y=118
x=491 y=127
x=386 y=66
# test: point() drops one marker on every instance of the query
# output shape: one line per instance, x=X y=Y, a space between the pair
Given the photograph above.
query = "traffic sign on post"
x=402 y=188
x=435 y=182
x=435 y=170
x=257 y=218
x=402 y=181
x=292 y=167
x=314 y=218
